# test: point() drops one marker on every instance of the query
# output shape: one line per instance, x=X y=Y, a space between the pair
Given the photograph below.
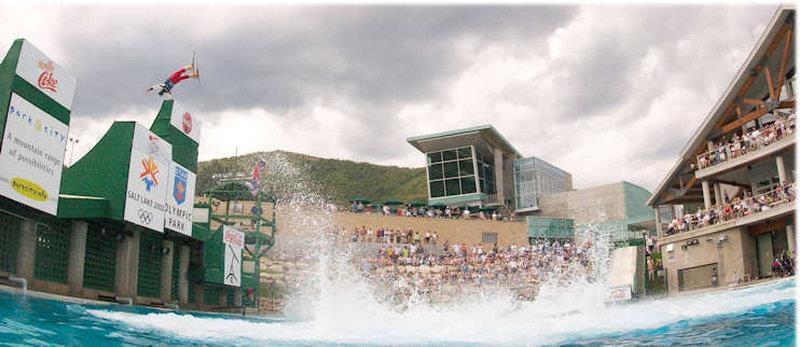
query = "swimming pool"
x=760 y=315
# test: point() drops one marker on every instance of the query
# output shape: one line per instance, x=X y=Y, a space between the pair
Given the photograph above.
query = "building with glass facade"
x=534 y=178
x=471 y=167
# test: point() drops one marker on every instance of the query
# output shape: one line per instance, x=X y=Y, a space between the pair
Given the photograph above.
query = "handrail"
x=738 y=148
x=747 y=206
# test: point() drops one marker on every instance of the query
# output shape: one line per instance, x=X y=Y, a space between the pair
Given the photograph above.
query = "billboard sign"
x=233 y=240
x=148 y=174
x=44 y=74
x=185 y=121
x=180 y=199
x=32 y=156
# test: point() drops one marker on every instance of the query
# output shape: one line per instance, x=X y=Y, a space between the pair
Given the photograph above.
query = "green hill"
x=300 y=176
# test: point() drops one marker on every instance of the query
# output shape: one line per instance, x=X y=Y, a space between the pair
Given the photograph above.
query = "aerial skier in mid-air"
x=186 y=72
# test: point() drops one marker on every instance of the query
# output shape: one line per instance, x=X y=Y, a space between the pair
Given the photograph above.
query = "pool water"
x=762 y=315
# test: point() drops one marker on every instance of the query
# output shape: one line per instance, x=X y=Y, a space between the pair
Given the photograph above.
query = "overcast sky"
x=606 y=93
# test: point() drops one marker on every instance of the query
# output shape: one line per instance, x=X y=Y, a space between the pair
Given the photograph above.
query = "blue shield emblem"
x=179 y=190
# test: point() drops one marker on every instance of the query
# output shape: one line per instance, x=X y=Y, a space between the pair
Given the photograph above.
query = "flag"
x=255 y=178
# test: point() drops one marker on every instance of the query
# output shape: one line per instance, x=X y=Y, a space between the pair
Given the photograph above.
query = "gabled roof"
x=699 y=138
x=487 y=131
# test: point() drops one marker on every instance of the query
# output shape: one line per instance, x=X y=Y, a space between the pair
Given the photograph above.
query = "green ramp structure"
x=120 y=224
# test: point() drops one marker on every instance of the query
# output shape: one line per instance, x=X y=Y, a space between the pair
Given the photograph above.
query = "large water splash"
x=334 y=303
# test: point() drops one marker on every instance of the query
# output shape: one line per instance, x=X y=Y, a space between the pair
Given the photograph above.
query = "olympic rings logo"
x=146 y=217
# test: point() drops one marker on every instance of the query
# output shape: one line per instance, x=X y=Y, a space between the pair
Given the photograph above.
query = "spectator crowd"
x=740 y=206
x=738 y=145
x=406 y=271
x=429 y=211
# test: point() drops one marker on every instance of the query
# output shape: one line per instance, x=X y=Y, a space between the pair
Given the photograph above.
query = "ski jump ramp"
x=625 y=274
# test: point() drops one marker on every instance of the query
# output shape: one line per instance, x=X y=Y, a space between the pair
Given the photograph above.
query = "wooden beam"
x=690 y=183
x=754 y=102
x=770 y=87
x=784 y=59
x=746 y=118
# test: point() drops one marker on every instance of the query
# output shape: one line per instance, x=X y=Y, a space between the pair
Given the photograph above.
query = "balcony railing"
x=755 y=140
x=737 y=208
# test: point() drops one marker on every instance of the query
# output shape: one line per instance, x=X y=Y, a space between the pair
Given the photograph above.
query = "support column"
x=659 y=230
x=199 y=293
x=718 y=194
x=223 y=296
x=499 y=176
x=26 y=253
x=183 y=275
x=706 y=194
x=166 y=270
x=126 y=274
x=237 y=297
x=77 y=257
x=790 y=238
x=781 y=168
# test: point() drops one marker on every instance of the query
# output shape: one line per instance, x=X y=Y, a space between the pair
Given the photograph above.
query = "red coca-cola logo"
x=187 y=123
x=46 y=80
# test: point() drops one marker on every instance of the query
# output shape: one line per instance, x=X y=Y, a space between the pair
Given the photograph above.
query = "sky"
x=608 y=93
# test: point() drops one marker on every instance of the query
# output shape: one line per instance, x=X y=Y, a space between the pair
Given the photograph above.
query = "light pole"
x=72 y=141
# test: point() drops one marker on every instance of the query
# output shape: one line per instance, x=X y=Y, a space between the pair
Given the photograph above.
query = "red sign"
x=187 y=123
x=46 y=79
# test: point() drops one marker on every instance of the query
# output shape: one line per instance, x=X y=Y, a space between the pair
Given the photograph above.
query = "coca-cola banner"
x=185 y=121
x=233 y=240
x=44 y=74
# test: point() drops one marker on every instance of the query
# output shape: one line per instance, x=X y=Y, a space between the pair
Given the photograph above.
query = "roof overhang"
x=462 y=137
x=698 y=140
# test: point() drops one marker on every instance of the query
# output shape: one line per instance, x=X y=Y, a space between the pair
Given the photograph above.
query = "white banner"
x=47 y=76
x=32 y=156
x=180 y=199
x=185 y=121
x=201 y=215
x=145 y=203
x=233 y=240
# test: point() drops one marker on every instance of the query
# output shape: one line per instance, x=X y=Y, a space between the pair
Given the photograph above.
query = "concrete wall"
x=592 y=205
x=731 y=265
x=468 y=231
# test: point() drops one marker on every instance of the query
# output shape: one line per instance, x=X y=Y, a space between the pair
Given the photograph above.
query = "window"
x=435 y=157
x=468 y=185
x=451 y=169
x=449 y=155
x=489 y=238
x=435 y=172
x=452 y=187
x=451 y=172
x=437 y=189
x=465 y=167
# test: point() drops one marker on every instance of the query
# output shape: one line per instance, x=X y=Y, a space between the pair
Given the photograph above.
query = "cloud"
x=618 y=88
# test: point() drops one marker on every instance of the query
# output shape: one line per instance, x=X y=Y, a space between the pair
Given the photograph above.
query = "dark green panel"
x=434 y=157
x=101 y=257
x=468 y=185
x=7 y=72
x=465 y=167
x=150 y=245
x=464 y=152
x=9 y=241
x=449 y=154
x=451 y=169
x=103 y=172
x=437 y=189
x=52 y=250
x=452 y=187
x=435 y=171
x=214 y=258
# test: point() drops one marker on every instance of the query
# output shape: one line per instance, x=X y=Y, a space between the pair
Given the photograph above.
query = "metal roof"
x=487 y=131
x=698 y=139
